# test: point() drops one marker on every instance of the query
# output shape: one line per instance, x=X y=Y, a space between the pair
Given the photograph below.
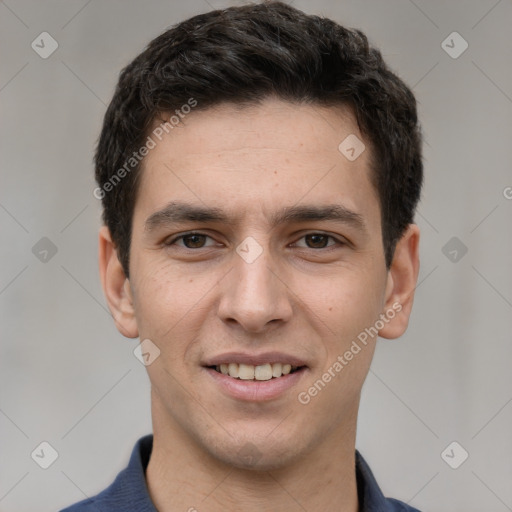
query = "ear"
x=401 y=283
x=116 y=286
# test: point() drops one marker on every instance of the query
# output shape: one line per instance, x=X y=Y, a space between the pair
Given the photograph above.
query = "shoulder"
x=371 y=497
x=86 y=505
x=399 y=506
x=128 y=491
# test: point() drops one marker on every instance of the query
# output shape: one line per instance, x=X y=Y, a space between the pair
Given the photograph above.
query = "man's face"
x=259 y=287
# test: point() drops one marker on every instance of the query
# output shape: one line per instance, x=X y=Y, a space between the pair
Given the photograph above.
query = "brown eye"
x=317 y=241
x=190 y=241
x=194 y=241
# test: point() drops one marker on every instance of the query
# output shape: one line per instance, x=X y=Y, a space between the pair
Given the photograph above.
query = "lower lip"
x=256 y=390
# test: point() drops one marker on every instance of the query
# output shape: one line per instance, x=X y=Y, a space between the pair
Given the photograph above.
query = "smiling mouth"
x=260 y=372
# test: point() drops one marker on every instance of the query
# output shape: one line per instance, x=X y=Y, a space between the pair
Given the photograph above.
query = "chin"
x=257 y=455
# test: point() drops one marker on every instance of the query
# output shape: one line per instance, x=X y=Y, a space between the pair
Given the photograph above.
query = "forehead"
x=255 y=160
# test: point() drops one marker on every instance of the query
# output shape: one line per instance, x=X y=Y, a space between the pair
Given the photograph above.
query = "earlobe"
x=401 y=284
x=116 y=286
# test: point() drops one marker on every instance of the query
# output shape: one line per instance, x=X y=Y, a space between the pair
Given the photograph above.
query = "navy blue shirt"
x=129 y=491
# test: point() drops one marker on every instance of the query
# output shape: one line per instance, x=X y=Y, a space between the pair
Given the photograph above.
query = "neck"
x=182 y=476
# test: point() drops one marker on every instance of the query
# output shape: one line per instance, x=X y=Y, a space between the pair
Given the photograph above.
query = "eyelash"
x=192 y=233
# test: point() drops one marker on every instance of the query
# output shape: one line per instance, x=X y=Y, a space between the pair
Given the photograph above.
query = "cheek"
x=167 y=299
x=345 y=302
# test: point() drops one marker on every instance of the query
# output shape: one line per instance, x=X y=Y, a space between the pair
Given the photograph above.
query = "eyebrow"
x=177 y=212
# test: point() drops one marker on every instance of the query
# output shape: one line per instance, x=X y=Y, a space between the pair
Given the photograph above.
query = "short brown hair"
x=243 y=55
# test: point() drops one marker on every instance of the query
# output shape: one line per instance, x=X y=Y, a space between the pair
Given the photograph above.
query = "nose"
x=254 y=296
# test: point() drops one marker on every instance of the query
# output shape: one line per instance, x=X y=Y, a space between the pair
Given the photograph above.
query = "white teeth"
x=245 y=371
x=233 y=370
x=277 y=370
x=250 y=372
x=263 y=372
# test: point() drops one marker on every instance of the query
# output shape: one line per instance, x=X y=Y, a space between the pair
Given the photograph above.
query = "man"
x=259 y=169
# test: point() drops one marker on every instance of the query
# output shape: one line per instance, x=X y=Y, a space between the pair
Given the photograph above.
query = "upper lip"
x=254 y=359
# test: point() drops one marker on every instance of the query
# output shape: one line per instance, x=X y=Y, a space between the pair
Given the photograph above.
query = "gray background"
x=69 y=378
